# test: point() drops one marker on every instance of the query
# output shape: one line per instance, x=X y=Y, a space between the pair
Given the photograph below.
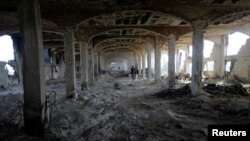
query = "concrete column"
x=171 y=60
x=69 y=55
x=53 y=65
x=18 y=57
x=197 y=58
x=177 y=62
x=186 y=60
x=222 y=54
x=84 y=65
x=33 y=66
x=149 y=64
x=91 y=65
x=136 y=59
x=61 y=65
x=157 y=60
x=96 y=66
x=99 y=63
x=143 y=65
x=139 y=64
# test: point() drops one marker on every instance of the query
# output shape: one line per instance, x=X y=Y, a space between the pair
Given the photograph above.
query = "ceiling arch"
x=122 y=40
x=132 y=18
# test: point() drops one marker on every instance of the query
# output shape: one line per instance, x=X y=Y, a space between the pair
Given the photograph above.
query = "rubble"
x=173 y=93
x=102 y=113
x=234 y=89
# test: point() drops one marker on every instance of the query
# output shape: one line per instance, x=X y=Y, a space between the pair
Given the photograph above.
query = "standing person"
x=133 y=72
x=136 y=72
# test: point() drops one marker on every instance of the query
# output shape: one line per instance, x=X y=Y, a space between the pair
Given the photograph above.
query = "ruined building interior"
x=71 y=76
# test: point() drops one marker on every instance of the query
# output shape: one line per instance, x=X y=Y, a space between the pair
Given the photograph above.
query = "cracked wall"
x=242 y=66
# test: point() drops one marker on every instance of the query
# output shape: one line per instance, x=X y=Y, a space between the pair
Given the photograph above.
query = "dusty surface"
x=131 y=111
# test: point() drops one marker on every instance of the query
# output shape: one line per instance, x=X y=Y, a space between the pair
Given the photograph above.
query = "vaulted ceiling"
x=129 y=24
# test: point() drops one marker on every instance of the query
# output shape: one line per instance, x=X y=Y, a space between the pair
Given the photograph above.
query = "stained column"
x=96 y=66
x=139 y=64
x=61 y=65
x=197 y=58
x=149 y=64
x=84 y=65
x=157 y=60
x=69 y=54
x=136 y=59
x=186 y=65
x=143 y=65
x=90 y=65
x=171 y=60
x=177 y=61
x=99 y=63
x=33 y=67
x=222 y=54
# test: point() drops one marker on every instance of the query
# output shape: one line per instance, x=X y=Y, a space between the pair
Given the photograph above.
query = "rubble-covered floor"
x=132 y=111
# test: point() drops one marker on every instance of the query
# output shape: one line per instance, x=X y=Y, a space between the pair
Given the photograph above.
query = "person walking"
x=133 y=72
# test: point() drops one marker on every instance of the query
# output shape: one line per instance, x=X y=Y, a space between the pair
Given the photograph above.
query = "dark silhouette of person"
x=136 y=70
x=133 y=72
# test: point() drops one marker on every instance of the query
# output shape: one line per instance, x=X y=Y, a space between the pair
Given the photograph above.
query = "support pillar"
x=90 y=65
x=99 y=63
x=186 y=65
x=197 y=58
x=53 y=65
x=222 y=54
x=33 y=66
x=171 y=60
x=139 y=65
x=84 y=65
x=96 y=66
x=149 y=64
x=69 y=54
x=61 y=65
x=157 y=60
x=178 y=61
x=143 y=65
x=136 y=59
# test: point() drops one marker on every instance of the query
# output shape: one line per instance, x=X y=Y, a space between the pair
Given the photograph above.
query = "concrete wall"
x=242 y=66
x=215 y=56
x=3 y=76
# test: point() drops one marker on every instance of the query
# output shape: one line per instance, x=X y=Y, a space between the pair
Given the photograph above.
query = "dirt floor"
x=116 y=109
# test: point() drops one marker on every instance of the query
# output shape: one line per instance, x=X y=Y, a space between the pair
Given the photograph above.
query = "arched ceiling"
x=124 y=37
x=117 y=44
x=133 y=18
x=101 y=20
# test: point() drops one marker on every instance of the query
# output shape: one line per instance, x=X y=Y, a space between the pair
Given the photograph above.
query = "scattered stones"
x=173 y=93
x=101 y=113
x=151 y=139
x=234 y=89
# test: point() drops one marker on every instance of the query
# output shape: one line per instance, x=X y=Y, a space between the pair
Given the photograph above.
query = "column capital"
x=171 y=36
x=199 y=24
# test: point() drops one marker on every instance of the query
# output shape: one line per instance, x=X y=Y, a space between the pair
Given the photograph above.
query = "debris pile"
x=234 y=89
x=230 y=108
x=173 y=93
x=128 y=114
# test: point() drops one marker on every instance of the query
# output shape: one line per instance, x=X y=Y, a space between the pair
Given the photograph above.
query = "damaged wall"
x=242 y=66
x=3 y=76
x=215 y=56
